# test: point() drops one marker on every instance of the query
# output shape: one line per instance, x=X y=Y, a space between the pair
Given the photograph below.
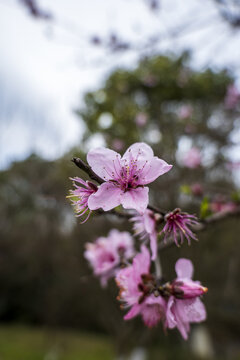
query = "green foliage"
x=205 y=208
x=22 y=343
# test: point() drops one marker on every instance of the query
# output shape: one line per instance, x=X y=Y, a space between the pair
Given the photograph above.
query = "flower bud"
x=187 y=289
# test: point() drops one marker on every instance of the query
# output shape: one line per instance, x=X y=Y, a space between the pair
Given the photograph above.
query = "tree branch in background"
x=35 y=10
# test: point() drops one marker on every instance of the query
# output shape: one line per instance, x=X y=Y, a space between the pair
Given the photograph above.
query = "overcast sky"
x=47 y=66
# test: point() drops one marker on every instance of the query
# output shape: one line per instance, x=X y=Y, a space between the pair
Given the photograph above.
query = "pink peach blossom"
x=107 y=253
x=181 y=312
x=178 y=226
x=126 y=177
x=185 y=112
x=135 y=283
x=145 y=226
x=81 y=195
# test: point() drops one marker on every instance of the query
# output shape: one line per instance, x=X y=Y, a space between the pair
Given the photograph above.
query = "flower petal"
x=170 y=316
x=107 y=197
x=152 y=170
x=195 y=310
x=138 y=151
x=134 y=311
x=184 y=268
x=104 y=162
x=135 y=199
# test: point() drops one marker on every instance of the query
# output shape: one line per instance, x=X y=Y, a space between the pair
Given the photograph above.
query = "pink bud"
x=187 y=289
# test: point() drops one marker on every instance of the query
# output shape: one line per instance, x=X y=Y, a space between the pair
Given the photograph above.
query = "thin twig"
x=87 y=169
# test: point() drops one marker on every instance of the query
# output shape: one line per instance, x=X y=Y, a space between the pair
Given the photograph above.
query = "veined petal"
x=195 y=310
x=152 y=170
x=135 y=199
x=107 y=197
x=184 y=268
x=138 y=151
x=105 y=163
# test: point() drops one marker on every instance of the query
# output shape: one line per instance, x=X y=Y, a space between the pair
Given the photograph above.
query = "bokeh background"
x=75 y=75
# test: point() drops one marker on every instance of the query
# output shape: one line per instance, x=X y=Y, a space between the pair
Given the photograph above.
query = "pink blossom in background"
x=145 y=226
x=149 y=80
x=185 y=112
x=141 y=119
x=192 y=159
x=178 y=226
x=197 y=189
x=126 y=177
x=232 y=98
x=81 y=195
x=118 y=144
x=233 y=165
x=181 y=312
x=106 y=253
x=220 y=206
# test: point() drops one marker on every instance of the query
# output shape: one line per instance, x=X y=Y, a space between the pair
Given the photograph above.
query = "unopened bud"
x=187 y=289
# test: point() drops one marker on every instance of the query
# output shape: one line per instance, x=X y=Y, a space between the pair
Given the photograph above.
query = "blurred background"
x=78 y=74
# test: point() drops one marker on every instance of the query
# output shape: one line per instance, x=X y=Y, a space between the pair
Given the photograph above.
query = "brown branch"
x=87 y=169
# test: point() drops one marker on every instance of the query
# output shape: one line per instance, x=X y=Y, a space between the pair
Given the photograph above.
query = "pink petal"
x=135 y=199
x=149 y=221
x=134 y=311
x=181 y=318
x=170 y=317
x=104 y=162
x=107 y=197
x=138 y=151
x=152 y=170
x=184 y=268
x=195 y=310
x=141 y=262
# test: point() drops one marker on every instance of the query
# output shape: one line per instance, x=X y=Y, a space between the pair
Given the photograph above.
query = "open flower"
x=178 y=225
x=126 y=177
x=190 y=309
x=107 y=254
x=136 y=285
x=81 y=195
x=145 y=226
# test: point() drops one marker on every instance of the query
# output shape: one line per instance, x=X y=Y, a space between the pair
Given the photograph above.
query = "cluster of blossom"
x=123 y=182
